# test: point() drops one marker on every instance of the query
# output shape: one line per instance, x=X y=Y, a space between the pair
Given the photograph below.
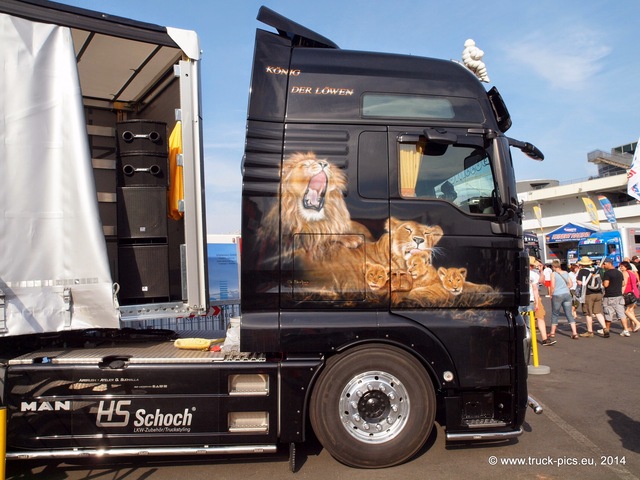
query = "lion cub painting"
x=421 y=270
x=451 y=289
x=376 y=277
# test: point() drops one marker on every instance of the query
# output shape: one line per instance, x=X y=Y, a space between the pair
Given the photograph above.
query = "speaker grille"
x=143 y=271
x=142 y=212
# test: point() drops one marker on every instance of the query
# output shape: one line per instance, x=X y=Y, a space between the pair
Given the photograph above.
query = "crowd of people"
x=601 y=292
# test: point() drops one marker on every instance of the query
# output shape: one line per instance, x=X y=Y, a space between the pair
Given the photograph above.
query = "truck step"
x=484 y=423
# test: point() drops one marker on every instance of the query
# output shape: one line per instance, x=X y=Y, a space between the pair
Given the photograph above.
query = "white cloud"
x=568 y=59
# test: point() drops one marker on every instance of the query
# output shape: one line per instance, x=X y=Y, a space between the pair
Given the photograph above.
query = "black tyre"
x=373 y=407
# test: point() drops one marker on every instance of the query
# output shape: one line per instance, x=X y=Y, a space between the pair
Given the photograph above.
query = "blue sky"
x=568 y=70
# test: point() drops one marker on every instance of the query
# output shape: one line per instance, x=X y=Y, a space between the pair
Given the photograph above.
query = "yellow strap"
x=176 y=185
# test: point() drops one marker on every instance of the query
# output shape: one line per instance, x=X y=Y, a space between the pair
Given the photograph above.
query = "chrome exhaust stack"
x=535 y=406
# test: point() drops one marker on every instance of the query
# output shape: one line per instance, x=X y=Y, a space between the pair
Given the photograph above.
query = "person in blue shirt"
x=560 y=291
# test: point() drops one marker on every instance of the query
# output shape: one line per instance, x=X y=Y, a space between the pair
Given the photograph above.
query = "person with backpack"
x=590 y=295
x=630 y=286
x=560 y=291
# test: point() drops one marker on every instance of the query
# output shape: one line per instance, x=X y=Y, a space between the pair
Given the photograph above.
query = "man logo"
x=42 y=406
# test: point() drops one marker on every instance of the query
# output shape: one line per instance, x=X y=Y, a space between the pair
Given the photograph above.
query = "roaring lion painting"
x=312 y=210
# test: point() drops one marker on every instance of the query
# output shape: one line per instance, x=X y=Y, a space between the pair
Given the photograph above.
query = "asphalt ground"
x=590 y=429
x=592 y=393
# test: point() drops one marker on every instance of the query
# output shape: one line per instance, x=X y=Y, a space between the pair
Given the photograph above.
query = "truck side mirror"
x=527 y=148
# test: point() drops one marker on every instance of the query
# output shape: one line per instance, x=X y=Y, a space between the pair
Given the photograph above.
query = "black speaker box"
x=142 y=170
x=143 y=271
x=142 y=212
x=141 y=137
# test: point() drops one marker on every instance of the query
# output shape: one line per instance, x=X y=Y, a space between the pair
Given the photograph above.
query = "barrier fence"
x=203 y=323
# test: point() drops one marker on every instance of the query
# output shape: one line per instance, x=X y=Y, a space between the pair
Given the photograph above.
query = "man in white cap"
x=590 y=283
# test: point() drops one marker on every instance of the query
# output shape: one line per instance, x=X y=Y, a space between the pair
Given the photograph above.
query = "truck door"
x=453 y=269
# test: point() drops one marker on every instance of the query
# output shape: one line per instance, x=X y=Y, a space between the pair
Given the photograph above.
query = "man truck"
x=615 y=244
x=382 y=268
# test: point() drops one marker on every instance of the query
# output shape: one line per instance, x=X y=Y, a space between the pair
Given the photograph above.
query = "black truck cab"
x=382 y=272
x=380 y=211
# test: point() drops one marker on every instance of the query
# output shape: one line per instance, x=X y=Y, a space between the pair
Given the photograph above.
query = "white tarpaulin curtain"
x=54 y=270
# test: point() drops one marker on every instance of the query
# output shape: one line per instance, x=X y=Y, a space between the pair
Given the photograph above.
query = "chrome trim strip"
x=133 y=452
x=477 y=436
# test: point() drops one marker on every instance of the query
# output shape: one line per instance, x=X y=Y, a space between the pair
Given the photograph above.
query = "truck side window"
x=459 y=174
x=373 y=165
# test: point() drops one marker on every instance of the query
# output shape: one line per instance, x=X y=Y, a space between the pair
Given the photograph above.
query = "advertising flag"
x=633 y=175
x=537 y=211
x=608 y=211
x=591 y=210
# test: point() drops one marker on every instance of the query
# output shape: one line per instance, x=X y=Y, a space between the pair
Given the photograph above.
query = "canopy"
x=569 y=232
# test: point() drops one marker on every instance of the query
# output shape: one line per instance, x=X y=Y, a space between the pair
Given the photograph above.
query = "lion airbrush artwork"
x=335 y=258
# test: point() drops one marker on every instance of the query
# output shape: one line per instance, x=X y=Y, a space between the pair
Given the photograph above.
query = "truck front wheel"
x=373 y=407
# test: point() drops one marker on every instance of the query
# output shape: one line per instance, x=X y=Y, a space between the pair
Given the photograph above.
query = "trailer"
x=382 y=264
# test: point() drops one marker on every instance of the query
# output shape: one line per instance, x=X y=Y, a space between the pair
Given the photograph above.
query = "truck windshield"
x=592 y=250
x=460 y=174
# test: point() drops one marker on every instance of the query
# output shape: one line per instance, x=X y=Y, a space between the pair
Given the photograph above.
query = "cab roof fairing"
x=450 y=78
